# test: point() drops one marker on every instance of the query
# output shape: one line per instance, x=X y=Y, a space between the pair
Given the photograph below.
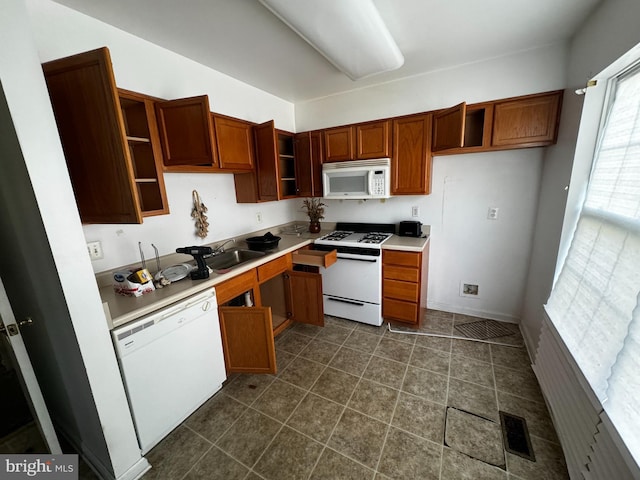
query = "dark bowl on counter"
x=265 y=242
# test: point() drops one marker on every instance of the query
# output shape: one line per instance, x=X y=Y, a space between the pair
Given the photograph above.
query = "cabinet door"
x=267 y=161
x=372 y=140
x=234 y=141
x=338 y=144
x=185 y=132
x=247 y=339
x=528 y=121
x=448 y=128
x=304 y=297
x=308 y=155
x=86 y=106
x=411 y=159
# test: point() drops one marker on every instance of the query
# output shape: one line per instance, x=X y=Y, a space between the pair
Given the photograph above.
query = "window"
x=595 y=303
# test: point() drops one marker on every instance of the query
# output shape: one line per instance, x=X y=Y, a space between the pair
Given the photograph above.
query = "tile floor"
x=351 y=401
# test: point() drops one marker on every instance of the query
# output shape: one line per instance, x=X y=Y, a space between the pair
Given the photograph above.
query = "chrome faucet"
x=220 y=248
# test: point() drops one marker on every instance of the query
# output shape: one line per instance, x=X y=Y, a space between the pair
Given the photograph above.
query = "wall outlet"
x=415 y=211
x=95 y=250
x=259 y=217
x=492 y=214
x=468 y=289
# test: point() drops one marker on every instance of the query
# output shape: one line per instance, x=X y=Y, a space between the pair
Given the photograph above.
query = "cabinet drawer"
x=399 y=310
x=316 y=258
x=230 y=289
x=406 y=274
x=400 y=290
x=406 y=259
x=273 y=268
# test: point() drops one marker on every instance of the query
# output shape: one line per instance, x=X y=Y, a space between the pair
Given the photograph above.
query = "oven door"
x=354 y=277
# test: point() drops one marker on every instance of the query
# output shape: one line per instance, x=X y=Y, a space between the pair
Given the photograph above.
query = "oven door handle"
x=363 y=259
x=350 y=302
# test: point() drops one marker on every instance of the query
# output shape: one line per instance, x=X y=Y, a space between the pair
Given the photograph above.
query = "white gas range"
x=352 y=288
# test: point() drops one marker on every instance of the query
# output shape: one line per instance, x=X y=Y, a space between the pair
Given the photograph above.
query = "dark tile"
x=247 y=387
x=470 y=370
x=217 y=414
x=350 y=360
x=335 y=385
x=394 y=350
x=436 y=343
x=522 y=383
x=174 y=456
x=371 y=329
x=333 y=466
x=475 y=437
x=420 y=417
x=340 y=322
x=460 y=318
x=473 y=398
x=374 y=400
x=385 y=371
x=290 y=456
x=302 y=372
x=401 y=334
x=334 y=334
x=319 y=351
x=429 y=359
x=217 y=465
x=408 y=457
x=249 y=436
x=437 y=322
x=468 y=348
x=292 y=342
x=510 y=357
x=359 y=437
x=536 y=414
x=359 y=340
x=550 y=462
x=316 y=417
x=283 y=359
x=279 y=400
x=306 y=329
x=458 y=466
x=423 y=383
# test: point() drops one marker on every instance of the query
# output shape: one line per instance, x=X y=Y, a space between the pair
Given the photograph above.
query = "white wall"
x=466 y=246
x=609 y=32
x=49 y=256
x=144 y=67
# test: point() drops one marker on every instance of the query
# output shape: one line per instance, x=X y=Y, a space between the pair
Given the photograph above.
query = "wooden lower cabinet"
x=404 y=285
x=281 y=296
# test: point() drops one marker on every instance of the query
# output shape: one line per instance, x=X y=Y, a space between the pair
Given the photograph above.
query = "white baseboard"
x=503 y=317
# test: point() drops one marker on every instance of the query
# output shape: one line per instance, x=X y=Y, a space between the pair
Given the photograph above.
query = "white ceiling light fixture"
x=348 y=33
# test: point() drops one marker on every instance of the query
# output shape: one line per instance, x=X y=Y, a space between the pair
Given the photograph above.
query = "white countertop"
x=122 y=309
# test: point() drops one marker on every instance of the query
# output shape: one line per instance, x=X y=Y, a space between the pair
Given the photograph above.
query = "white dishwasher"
x=171 y=362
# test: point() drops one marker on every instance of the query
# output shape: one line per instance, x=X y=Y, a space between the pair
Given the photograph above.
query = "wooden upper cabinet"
x=234 y=142
x=267 y=161
x=308 y=159
x=372 y=140
x=527 y=121
x=411 y=159
x=338 y=144
x=97 y=146
x=186 y=132
x=448 y=128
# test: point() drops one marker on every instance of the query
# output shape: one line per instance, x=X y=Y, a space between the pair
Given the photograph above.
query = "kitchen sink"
x=231 y=258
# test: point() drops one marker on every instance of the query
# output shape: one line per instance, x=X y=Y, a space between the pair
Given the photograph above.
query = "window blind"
x=595 y=301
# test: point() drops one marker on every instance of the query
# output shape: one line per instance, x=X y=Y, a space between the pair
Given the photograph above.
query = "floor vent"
x=515 y=435
x=484 y=329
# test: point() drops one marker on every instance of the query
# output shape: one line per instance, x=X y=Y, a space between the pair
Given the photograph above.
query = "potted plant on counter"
x=314 y=209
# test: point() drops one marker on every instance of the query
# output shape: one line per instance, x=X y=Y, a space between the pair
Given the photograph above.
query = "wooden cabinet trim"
x=274 y=267
x=229 y=289
x=449 y=128
x=338 y=144
x=372 y=140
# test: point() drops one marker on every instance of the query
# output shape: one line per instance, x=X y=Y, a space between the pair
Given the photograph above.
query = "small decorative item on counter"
x=198 y=213
x=133 y=284
x=314 y=209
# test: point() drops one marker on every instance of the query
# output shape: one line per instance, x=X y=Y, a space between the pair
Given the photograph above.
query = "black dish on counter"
x=265 y=242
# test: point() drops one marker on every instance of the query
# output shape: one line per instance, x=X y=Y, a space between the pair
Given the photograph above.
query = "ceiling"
x=244 y=40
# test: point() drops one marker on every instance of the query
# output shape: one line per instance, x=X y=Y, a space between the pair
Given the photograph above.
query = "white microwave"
x=357 y=179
